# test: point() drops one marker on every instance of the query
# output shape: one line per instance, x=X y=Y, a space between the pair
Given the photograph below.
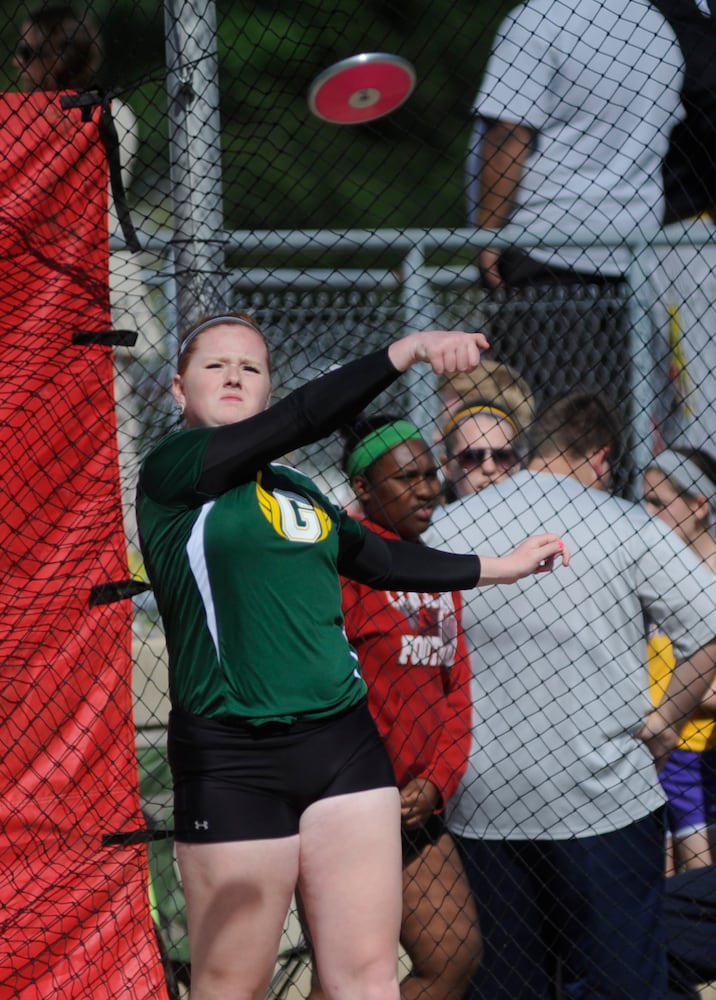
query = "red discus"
x=361 y=88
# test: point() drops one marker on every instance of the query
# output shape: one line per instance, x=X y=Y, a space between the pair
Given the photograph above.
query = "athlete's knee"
x=364 y=983
x=213 y=982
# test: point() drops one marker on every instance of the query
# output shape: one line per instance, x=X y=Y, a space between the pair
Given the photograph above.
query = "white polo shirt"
x=598 y=81
x=560 y=685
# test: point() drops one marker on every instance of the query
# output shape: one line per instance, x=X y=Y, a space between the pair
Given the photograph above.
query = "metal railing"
x=426 y=265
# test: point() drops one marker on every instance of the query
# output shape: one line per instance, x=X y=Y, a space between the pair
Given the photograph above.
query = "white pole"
x=195 y=158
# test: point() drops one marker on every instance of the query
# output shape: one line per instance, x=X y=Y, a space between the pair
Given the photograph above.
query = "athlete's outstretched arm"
x=390 y=564
x=235 y=452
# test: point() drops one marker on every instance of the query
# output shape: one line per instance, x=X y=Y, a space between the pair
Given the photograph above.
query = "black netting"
x=224 y=192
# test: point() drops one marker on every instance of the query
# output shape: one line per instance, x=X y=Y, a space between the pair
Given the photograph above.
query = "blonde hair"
x=496 y=383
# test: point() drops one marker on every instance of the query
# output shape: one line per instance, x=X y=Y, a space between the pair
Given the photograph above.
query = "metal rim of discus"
x=361 y=88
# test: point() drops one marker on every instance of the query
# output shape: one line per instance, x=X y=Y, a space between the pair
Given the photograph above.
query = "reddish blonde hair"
x=187 y=343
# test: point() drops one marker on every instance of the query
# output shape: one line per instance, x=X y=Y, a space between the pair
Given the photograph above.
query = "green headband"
x=373 y=445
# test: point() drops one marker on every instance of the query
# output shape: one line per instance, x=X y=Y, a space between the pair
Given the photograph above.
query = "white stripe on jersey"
x=197 y=563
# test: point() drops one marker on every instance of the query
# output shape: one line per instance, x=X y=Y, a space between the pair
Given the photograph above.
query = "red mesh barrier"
x=75 y=914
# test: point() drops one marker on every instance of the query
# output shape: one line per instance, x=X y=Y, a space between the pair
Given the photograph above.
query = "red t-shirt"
x=414 y=659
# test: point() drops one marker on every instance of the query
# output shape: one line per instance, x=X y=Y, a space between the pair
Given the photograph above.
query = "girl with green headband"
x=414 y=659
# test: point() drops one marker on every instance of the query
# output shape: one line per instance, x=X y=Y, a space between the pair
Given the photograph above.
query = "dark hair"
x=354 y=433
x=578 y=425
x=74 y=39
x=701 y=459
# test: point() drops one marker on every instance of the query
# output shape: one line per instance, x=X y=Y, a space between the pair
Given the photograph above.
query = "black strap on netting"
x=127 y=838
x=120 y=590
x=110 y=338
x=86 y=100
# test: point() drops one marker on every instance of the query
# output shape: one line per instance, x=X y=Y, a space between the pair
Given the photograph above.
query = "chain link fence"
x=338 y=240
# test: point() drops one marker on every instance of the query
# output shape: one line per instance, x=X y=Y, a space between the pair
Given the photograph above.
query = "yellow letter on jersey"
x=293 y=516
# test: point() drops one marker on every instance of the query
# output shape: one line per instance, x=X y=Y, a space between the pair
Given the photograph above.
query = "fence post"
x=419 y=314
x=195 y=158
x=643 y=399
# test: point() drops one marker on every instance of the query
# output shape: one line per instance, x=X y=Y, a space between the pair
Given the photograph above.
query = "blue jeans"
x=583 y=913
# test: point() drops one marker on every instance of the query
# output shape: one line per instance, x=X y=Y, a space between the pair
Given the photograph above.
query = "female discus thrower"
x=280 y=777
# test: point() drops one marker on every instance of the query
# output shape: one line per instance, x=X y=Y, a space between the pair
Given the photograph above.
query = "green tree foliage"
x=282 y=167
x=285 y=169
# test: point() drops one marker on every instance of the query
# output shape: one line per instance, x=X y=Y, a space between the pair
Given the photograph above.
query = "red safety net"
x=75 y=914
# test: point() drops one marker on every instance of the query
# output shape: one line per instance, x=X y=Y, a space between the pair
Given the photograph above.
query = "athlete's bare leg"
x=350 y=885
x=237 y=897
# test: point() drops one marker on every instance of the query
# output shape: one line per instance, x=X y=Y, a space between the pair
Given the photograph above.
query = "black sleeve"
x=236 y=452
x=389 y=564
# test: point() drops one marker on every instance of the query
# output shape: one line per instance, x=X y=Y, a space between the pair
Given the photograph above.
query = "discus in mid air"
x=361 y=88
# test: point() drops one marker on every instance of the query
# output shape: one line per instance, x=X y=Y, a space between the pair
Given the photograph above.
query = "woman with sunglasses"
x=280 y=778
x=481 y=441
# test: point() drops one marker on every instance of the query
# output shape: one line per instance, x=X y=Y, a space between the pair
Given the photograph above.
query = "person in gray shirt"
x=573 y=118
x=559 y=814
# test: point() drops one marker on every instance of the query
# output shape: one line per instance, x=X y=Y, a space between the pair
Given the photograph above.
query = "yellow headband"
x=471 y=411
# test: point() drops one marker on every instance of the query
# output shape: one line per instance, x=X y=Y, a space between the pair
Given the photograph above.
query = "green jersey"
x=245 y=556
x=248 y=588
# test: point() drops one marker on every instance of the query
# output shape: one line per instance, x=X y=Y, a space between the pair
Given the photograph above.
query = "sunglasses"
x=474 y=458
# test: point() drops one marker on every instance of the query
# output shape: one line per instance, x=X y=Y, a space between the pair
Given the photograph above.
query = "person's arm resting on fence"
x=506 y=147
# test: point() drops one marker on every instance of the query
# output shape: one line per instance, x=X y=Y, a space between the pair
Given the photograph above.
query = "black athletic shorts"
x=236 y=781
x=415 y=840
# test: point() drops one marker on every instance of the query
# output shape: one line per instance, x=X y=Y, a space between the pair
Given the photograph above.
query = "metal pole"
x=419 y=314
x=643 y=398
x=195 y=158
